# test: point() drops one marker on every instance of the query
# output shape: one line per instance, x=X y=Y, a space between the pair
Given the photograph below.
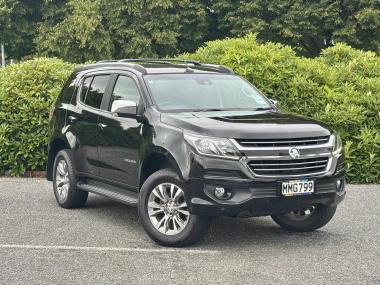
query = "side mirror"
x=274 y=102
x=124 y=108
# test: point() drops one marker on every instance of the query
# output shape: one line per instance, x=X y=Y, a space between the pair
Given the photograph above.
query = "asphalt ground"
x=104 y=243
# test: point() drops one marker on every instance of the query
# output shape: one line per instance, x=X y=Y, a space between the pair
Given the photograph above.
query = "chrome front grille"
x=289 y=167
x=287 y=158
x=256 y=143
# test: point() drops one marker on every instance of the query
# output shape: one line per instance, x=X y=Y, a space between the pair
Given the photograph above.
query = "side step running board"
x=125 y=199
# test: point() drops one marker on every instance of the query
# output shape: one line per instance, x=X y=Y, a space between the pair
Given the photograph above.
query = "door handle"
x=72 y=119
x=101 y=125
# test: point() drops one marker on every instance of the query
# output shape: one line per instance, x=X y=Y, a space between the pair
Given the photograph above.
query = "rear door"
x=83 y=123
x=120 y=138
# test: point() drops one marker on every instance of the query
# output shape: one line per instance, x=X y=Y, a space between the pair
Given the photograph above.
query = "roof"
x=159 y=66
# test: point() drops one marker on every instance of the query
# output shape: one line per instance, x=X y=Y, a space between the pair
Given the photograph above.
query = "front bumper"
x=252 y=198
x=254 y=195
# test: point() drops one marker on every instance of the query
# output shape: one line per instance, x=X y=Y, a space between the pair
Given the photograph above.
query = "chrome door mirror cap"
x=274 y=102
x=124 y=108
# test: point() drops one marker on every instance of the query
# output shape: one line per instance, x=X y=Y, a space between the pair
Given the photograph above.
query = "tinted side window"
x=67 y=90
x=125 y=89
x=96 y=91
x=85 y=87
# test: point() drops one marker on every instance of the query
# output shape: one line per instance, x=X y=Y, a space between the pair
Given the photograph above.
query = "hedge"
x=341 y=88
x=27 y=92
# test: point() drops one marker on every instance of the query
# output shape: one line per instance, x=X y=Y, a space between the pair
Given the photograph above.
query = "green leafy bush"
x=27 y=91
x=341 y=88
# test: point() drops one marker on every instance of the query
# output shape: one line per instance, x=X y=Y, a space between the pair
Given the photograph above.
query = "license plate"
x=297 y=187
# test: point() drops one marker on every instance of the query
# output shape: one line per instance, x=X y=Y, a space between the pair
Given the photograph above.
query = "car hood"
x=247 y=124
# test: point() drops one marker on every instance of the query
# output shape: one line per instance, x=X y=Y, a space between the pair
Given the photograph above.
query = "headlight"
x=218 y=147
x=337 y=148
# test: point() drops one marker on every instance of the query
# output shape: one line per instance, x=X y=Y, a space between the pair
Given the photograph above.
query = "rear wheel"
x=306 y=219
x=164 y=211
x=64 y=182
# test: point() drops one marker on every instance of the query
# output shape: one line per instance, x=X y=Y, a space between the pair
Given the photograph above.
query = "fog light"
x=219 y=192
x=340 y=185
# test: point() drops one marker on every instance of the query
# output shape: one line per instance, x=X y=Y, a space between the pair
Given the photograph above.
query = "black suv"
x=184 y=141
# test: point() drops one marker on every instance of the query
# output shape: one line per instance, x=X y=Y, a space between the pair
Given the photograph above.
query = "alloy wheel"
x=167 y=209
x=62 y=181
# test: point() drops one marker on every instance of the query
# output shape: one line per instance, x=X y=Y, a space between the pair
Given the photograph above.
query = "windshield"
x=204 y=92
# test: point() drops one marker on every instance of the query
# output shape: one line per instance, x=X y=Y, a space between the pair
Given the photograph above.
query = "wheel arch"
x=56 y=145
x=157 y=160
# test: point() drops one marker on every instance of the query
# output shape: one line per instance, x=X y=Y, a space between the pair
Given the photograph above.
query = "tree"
x=18 y=20
x=74 y=31
x=155 y=28
x=307 y=25
x=362 y=24
x=91 y=30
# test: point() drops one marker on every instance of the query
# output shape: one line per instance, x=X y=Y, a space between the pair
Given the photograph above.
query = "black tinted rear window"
x=96 y=91
x=67 y=90
x=85 y=86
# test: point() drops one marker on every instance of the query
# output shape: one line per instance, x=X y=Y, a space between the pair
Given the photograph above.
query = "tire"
x=167 y=235
x=318 y=218
x=67 y=194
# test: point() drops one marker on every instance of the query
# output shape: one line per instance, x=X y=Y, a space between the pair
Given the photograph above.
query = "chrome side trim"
x=125 y=199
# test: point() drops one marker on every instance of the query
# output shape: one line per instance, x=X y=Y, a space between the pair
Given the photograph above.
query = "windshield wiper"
x=219 y=109
x=208 y=110
x=263 y=109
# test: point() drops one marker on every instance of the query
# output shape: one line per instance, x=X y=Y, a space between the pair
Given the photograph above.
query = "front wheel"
x=164 y=211
x=307 y=219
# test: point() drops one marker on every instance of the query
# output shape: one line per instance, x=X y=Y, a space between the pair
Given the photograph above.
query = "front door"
x=120 y=138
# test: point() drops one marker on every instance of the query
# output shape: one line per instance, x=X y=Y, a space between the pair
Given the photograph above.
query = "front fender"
x=168 y=141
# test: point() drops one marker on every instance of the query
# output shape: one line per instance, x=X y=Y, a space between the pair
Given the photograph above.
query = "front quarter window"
x=125 y=89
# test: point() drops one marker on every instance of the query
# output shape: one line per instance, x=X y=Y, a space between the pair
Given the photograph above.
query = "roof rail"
x=219 y=68
x=106 y=61
x=159 y=60
x=133 y=62
x=136 y=66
